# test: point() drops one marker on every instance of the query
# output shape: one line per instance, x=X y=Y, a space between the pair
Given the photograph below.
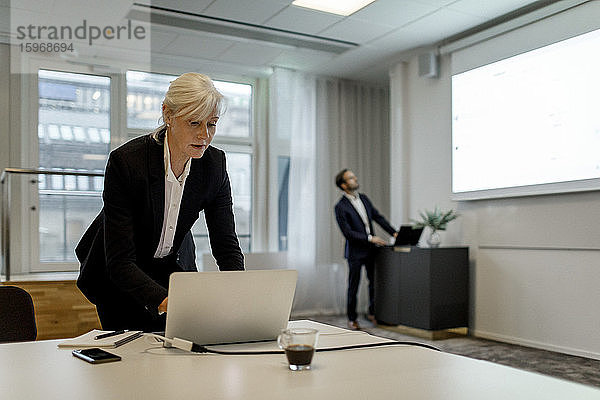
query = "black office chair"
x=17 y=316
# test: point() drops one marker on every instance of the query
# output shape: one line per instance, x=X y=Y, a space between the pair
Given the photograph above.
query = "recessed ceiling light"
x=339 y=7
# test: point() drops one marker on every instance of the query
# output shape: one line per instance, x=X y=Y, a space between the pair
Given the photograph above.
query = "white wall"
x=535 y=261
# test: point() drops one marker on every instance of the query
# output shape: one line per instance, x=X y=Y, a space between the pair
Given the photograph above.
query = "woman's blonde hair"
x=192 y=96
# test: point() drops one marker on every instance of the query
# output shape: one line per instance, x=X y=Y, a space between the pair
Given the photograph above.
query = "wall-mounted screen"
x=529 y=124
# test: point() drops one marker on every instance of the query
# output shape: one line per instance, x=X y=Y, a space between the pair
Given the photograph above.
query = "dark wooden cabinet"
x=425 y=288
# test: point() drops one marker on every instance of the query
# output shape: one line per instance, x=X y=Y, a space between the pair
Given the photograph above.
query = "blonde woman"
x=155 y=186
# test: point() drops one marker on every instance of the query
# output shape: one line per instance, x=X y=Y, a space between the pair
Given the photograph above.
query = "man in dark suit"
x=355 y=214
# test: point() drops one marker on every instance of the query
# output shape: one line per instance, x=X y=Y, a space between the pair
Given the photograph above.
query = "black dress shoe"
x=353 y=326
x=371 y=318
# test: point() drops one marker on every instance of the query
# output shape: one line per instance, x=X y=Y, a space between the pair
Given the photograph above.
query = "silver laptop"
x=229 y=306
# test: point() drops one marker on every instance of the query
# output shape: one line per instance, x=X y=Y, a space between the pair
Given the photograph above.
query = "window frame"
x=30 y=256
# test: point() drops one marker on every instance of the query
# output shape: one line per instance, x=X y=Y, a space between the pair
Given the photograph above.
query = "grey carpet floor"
x=572 y=368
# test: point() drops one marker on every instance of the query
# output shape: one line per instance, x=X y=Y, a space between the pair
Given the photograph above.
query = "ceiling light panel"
x=339 y=7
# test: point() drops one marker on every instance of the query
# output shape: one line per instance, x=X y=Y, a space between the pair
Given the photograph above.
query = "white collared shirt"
x=360 y=209
x=173 y=193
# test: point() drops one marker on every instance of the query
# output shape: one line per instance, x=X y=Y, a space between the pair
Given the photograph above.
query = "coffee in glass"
x=299 y=346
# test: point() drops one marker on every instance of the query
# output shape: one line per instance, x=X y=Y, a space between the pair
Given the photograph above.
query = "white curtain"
x=333 y=124
x=293 y=99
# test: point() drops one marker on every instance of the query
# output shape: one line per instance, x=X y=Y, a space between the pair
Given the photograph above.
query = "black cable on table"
x=203 y=349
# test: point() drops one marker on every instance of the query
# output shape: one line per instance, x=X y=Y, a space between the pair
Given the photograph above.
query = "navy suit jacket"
x=353 y=227
x=117 y=251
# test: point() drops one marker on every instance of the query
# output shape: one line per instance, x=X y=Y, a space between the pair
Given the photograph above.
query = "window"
x=237 y=118
x=145 y=93
x=73 y=135
x=238 y=165
x=283 y=174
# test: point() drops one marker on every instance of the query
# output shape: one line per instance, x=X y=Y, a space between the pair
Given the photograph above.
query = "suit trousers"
x=123 y=313
x=354 y=271
x=120 y=311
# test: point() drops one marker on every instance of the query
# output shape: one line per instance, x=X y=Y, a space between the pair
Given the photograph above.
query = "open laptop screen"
x=229 y=306
x=407 y=236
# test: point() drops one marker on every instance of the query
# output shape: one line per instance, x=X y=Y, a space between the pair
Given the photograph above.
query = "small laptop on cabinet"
x=229 y=306
x=408 y=236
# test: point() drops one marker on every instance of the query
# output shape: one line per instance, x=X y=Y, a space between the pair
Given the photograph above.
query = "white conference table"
x=40 y=370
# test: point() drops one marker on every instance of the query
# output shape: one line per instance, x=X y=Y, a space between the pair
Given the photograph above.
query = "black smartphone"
x=96 y=355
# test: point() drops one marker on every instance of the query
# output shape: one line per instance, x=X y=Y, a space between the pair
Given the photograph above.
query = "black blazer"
x=353 y=227
x=117 y=251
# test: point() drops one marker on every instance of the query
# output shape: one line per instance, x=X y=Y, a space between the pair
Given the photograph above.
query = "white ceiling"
x=376 y=35
x=381 y=30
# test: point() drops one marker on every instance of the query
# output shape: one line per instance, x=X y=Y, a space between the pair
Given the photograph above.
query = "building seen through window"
x=146 y=91
x=73 y=135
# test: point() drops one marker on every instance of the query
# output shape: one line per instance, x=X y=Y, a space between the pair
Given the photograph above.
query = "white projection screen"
x=529 y=124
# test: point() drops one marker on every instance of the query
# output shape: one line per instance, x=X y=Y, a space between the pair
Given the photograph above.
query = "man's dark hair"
x=339 y=178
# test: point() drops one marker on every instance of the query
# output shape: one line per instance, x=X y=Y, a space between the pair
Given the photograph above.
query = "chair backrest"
x=17 y=316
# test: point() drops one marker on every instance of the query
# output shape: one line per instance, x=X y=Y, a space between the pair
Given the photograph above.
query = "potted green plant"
x=436 y=220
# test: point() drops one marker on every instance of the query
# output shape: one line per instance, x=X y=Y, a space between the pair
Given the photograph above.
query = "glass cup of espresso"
x=299 y=346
